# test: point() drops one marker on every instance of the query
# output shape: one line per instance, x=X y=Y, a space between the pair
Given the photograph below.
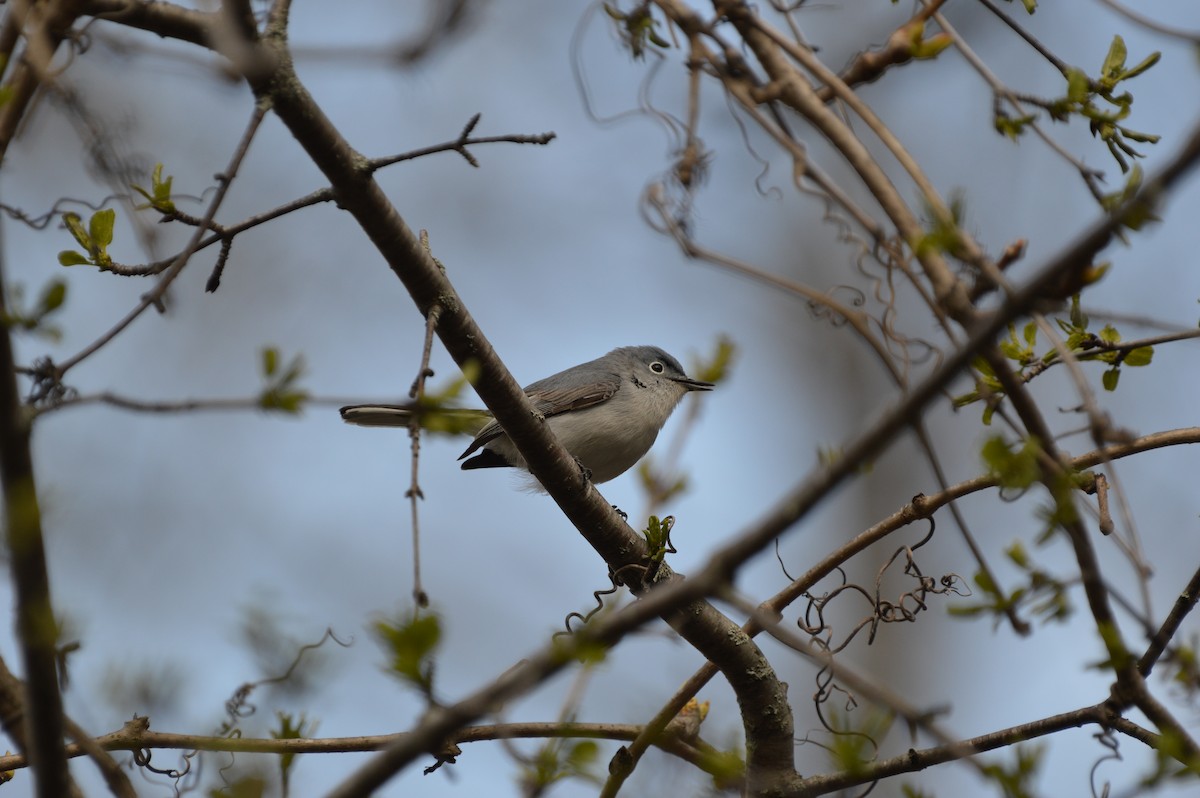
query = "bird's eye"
x=656 y=367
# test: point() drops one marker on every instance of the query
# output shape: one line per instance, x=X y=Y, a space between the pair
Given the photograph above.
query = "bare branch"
x=136 y=736
x=1184 y=604
x=37 y=628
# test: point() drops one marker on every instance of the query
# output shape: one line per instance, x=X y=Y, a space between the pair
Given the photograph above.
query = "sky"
x=166 y=533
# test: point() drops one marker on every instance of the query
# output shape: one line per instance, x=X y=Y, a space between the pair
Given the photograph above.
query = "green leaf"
x=101 y=228
x=1079 y=87
x=1030 y=5
x=1012 y=126
x=1110 y=378
x=1146 y=63
x=285 y=401
x=145 y=194
x=1011 y=350
x=985 y=583
x=1125 y=193
x=75 y=226
x=658 y=534
x=34 y=319
x=1140 y=356
x=636 y=28
x=926 y=47
x=1148 y=138
x=726 y=767
x=159 y=195
x=270 y=361
x=69 y=257
x=1017 y=553
x=1030 y=333
x=1012 y=468
x=1079 y=319
x=281 y=392
x=853 y=751
x=1114 y=62
x=436 y=411
x=1138 y=214
x=989 y=410
x=971 y=397
x=656 y=39
x=52 y=298
x=716 y=368
x=983 y=367
x=290 y=729
x=582 y=754
x=411 y=644
x=1109 y=334
x=1016 y=781
x=452 y=421
x=1096 y=272
x=909 y=791
x=162 y=189
x=583 y=651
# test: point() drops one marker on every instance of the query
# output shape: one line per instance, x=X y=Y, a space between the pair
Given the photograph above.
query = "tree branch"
x=1184 y=604
x=136 y=736
x=762 y=698
x=914 y=760
x=43 y=25
x=37 y=628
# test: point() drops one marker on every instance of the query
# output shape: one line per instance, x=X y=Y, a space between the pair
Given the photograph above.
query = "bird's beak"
x=694 y=385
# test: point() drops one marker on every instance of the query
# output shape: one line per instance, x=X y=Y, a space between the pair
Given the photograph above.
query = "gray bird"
x=606 y=412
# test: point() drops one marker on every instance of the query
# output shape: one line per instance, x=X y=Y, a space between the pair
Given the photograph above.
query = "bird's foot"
x=584 y=472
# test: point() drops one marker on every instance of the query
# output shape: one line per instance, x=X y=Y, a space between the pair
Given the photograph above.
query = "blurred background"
x=193 y=552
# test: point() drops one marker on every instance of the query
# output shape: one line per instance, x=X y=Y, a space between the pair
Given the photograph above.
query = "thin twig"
x=225 y=233
x=460 y=145
x=1140 y=19
x=1184 y=604
x=1030 y=39
x=414 y=493
x=154 y=297
x=136 y=736
x=243 y=404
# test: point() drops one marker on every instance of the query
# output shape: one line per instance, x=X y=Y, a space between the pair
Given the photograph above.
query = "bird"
x=607 y=412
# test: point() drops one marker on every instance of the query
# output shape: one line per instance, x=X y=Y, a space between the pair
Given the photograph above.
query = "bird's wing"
x=563 y=400
x=553 y=401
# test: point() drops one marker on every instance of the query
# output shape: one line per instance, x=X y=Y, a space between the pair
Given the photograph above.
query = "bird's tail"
x=441 y=419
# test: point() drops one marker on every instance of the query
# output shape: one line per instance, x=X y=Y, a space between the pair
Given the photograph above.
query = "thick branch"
x=37 y=629
x=763 y=699
x=44 y=26
x=164 y=19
